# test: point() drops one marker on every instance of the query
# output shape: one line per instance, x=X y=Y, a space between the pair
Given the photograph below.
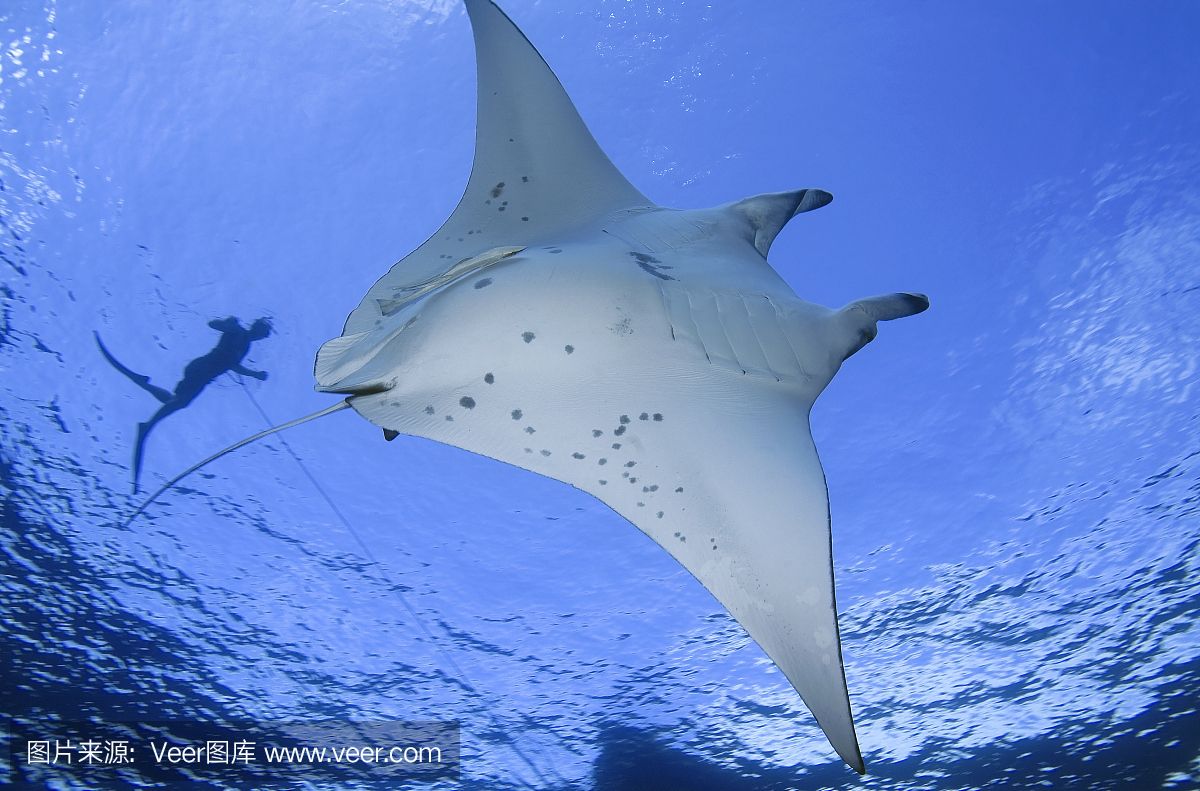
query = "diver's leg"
x=138 y=379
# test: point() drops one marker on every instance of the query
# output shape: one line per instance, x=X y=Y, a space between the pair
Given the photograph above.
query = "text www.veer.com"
x=352 y=755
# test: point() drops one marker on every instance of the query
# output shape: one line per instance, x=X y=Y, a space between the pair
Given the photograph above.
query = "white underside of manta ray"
x=562 y=322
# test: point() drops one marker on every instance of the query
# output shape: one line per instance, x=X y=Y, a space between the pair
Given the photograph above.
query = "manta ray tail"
x=327 y=411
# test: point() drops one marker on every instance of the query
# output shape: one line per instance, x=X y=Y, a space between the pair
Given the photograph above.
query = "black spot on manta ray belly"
x=569 y=349
x=528 y=337
x=484 y=283
x=517 y=414
x=489 y=378
x=467 y=402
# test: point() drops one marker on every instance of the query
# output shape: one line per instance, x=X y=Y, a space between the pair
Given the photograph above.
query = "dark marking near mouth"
x=489 y=378
x=528 y=337
x=652 y=265
x=467 y=402
x=569 y=349
x=517 y=414
x=484 y=283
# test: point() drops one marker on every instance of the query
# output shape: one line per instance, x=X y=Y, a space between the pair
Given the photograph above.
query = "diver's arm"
x=244 y=371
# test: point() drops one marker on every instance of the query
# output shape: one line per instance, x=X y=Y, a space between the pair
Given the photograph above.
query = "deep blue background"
x=1013 y=474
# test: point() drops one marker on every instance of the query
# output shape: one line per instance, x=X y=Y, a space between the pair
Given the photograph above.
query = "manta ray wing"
x=538 y=171
x=716 y=466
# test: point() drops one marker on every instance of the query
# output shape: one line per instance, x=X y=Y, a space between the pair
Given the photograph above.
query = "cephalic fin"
x=862 y=316
x=767 y=214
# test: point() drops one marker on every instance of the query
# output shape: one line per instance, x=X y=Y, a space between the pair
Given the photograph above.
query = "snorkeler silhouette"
x=226 y=356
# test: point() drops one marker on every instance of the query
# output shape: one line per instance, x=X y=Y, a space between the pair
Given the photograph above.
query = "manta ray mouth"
x=354 y=389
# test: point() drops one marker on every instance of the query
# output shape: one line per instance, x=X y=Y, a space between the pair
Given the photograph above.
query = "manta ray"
x=563 y=322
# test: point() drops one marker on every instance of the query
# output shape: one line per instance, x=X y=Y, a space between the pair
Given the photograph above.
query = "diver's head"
x=260 y=329
x=227 y=324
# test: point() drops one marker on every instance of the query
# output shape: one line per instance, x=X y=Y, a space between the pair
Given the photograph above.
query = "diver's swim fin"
x=138 y=379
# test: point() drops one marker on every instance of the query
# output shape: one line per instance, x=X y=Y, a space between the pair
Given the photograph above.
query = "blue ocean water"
x=1013 y=474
